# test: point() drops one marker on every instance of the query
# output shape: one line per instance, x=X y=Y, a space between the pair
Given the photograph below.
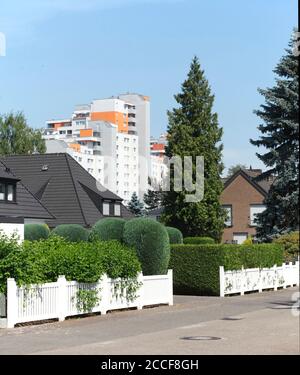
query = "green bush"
x=43 y=261
x=107 y=229
x=151 y=242
x=198 y=240
x=7 y=244
x=196 y=267
x=71 y=232
x=290 y=243
x=175 y=236
x=35 y=232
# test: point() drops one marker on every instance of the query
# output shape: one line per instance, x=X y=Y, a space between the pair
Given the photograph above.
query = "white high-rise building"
x=97 y=136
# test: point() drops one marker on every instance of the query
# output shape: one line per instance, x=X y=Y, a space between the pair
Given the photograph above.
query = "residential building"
x=68 y=191
x=243 y=198
x=159 y=165
x=108 y=138
x=18 y=206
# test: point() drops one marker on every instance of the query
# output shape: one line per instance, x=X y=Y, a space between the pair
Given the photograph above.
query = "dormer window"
x=7 y=192
x=106 y=208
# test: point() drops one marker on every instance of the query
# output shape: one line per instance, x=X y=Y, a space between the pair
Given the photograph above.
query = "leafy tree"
x=234 y=168
x=135 y=205
x=153 y=199
x=193 y=130
x=16 y=137
x=280 y=138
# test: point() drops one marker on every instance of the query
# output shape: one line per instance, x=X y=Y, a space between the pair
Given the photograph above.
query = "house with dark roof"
x=18 y=205
x=68 y=191
x=243 y=198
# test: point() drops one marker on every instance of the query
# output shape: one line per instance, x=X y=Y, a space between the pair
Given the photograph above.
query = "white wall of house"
x=10 y=228
x=34 y=221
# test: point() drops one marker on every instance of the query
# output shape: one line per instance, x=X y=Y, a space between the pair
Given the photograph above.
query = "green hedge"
x=151 y=242
x=107 y=229
x=175 y=236
x=43 y=261
x=198 y=240
x=7 y=244
x=35 y=232
x=71 y=232
x=196 y=267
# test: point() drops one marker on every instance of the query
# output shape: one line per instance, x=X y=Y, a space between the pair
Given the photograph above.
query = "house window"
x=117 y=211
x=254 y=210
x=228 y=219
x=105 y=208
x=7 y=192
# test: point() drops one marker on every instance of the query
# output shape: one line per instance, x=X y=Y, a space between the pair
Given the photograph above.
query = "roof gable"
x=248 y=178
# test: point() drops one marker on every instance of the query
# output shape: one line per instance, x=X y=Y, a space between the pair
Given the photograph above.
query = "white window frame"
x=105 y=206
x=254 y=210
x=228 y=221
x=117 y=209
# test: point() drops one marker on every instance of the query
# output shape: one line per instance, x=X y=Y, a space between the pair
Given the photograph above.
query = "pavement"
x=257 y=323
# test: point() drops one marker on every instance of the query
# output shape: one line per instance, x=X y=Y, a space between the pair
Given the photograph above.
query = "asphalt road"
x=258 y=323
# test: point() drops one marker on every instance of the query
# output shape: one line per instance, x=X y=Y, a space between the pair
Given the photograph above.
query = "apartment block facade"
x=104 y=137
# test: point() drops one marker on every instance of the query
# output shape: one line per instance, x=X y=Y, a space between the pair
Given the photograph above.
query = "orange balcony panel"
x=86 y=132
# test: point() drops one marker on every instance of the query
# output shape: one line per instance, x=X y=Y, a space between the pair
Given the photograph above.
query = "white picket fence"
x=59 y=299
x=256 y=279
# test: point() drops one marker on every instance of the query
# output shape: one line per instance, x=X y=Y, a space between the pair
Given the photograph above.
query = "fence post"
x=140 y=298
x=222 y=281
x=285 y=272
x=243 y=274
x=170 y=280
x=275 y=277
x=12 y=303
x=105 y=293
x=260 y=276
x=62 y=298
x=297 y=272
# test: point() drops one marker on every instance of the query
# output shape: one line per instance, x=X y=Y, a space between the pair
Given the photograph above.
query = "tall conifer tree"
x=280 y=137
x=194 y=131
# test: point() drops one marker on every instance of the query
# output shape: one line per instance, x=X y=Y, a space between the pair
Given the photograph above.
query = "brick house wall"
x=240 y=194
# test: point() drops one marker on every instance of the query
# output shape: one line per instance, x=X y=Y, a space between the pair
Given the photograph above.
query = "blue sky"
x=64 y=52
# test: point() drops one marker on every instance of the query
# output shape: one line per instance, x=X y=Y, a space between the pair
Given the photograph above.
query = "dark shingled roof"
x=27 y=205
x=64 y=187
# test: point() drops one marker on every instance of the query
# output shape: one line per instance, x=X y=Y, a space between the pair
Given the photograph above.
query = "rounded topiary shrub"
x=35 y=232
x=107 y=229
x=198 y=240
x=175 y=236
x=151 y=242
x=71 y=232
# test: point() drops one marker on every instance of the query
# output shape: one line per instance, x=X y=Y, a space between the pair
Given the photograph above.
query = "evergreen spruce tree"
x=280 y=137
x=135 y=206
x=193 y=130
x=153 y=199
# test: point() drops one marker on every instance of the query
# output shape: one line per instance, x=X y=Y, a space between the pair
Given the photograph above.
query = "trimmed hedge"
x=35 y=232
x=198 y=240
x=196 y=267
x=175 y=236
x=107 y=229
x=71 y=232
x=151 y=242
x=43 y=261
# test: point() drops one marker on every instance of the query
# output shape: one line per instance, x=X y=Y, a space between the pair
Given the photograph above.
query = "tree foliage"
x=193 y=130
x=16 y=137
x=280 y=138
x=135 y=205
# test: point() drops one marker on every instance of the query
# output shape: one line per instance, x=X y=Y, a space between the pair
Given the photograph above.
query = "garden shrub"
x=151 y=242
x=43 y=261
x=107 y=229
x=175 y=236
x=196 y=267
x=198 y=240
x=35 y=232
x=7 y=244
x=290 y=243
x=71 y=232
